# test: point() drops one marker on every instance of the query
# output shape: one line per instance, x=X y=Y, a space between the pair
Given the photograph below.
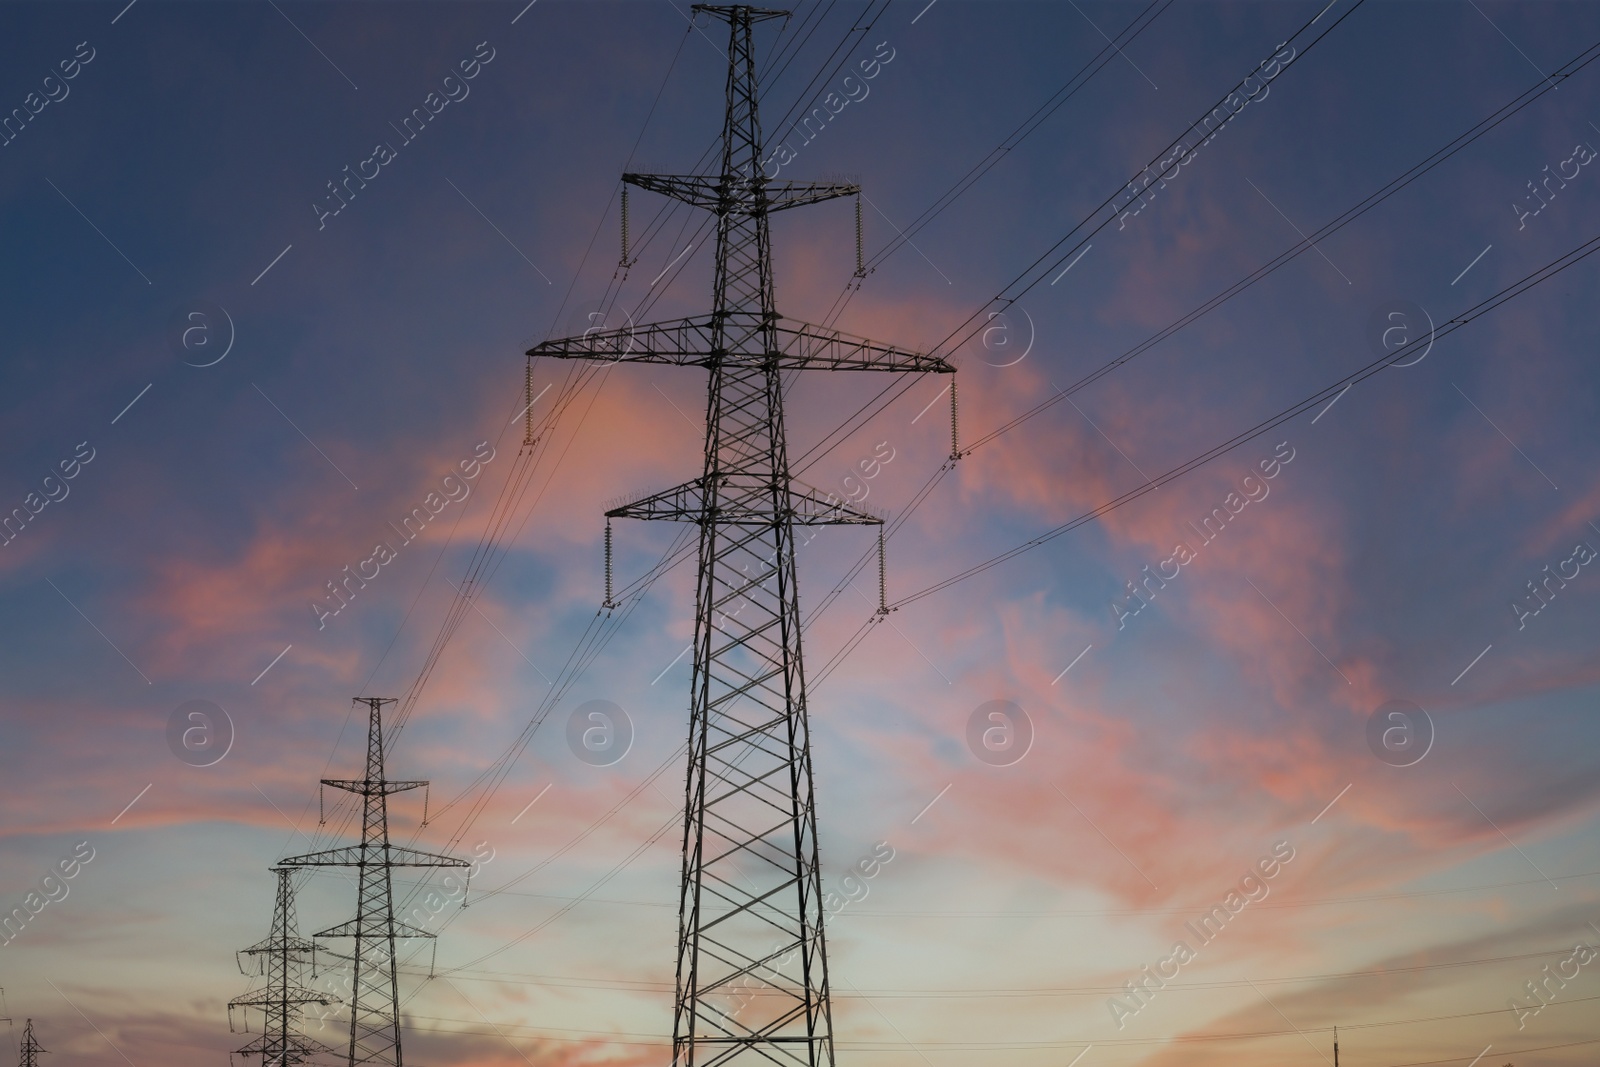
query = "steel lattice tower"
x=282 y=957
x=375 y=986
x=752 y=972
x=30 y=1047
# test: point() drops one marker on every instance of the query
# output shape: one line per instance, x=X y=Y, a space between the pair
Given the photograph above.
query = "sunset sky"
x=181 y=501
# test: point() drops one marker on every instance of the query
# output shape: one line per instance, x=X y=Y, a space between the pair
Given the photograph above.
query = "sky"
x=1360 y=700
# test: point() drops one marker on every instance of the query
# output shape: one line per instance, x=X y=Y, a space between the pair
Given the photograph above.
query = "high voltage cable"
x=1050 y=106
x=1409 y=177
x=1404 y=179
x=1021 y=278
x=462 y=603
x=489 y=545
x=982 y=993
x=856 y=27
x=997 y=1046
x=1510 y=292
x=343 y=824
x=1024 y=290
x=1400 y=181
x=1045 y=265
x=900 y=1048
x=650 y=299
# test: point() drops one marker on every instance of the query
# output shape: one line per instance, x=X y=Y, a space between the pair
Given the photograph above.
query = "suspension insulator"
x=609 y=603
x=883 y=578
x=955 y=439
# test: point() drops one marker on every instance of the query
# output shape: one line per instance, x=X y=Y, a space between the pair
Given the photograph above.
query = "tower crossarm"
x=276 y=1052
x=392 y=856
x=365 y=788
x=279 y=945
x=804 y=346
x=742 y=196
x=690 y=343
x=297 y=1050
x=686 y=503
x=781 y=195
x=281 y=995
x=353 y=927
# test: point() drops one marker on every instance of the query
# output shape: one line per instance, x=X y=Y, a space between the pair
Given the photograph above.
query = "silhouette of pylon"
x=752 y=975
x=375 y=985
x=281 y=958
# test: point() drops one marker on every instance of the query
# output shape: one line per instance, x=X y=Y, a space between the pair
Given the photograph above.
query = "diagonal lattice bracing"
x=375 y=985
x=752 y=971
x=281 y=959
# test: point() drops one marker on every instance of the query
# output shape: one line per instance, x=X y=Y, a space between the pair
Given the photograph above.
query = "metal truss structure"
x=752 y=968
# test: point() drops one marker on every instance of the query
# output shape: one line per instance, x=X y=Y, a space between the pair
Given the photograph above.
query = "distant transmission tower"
x=752 y=976
x=281 y=958
x=30 y=1048
x=375 y=986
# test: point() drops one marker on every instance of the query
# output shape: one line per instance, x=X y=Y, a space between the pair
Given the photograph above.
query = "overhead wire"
x=1471 y=314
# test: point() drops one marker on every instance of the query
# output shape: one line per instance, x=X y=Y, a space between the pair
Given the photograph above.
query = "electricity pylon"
x=281 y=957
x=375 y=984
x=30 y=1048
x=752 y=971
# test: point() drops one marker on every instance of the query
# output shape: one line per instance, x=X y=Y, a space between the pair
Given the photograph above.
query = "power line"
x=1166 y=163
x=1510 y=292
x=987 y=993
x=1009 y=143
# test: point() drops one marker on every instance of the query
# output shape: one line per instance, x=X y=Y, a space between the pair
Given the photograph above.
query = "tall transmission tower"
x=375 y=984
x=752 y=971
x=30 y=1047
x=281 y=957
